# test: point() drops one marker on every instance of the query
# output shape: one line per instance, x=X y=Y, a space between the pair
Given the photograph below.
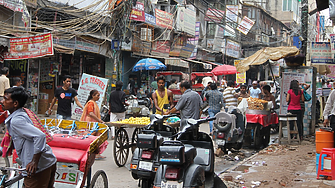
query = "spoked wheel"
x=99 y=180
x=121 y=147
x=135 y=135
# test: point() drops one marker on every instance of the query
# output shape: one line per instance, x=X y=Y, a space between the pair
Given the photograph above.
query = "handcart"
x=75 y=148
x=121 y=140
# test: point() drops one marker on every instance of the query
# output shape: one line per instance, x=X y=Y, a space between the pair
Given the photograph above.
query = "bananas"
x=137 y=120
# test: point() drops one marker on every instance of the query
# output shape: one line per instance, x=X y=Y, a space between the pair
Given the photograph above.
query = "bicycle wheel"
x=99 y=180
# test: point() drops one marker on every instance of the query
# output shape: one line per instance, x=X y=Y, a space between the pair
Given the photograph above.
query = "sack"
x=306 y=95
x=128 y=87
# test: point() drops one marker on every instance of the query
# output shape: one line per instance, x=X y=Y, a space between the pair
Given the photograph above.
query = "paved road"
x=120 y=176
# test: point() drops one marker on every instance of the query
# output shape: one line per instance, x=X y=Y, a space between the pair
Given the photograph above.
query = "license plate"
x=220 y=142
x=171 y=184
x=145 y=165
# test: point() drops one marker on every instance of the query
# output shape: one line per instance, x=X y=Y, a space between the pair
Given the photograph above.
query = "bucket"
x=324 y=139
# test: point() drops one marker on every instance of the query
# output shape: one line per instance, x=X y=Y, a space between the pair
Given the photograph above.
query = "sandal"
x=100 y=157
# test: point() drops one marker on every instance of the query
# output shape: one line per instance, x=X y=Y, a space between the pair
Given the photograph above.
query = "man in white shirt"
x=4 y=81
x=273 y=88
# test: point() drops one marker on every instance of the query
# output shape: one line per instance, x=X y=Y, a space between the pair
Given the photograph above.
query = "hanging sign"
x=164 y=19
x=321 y=53
x=214 y=15
x=245 y=25
x=87 y=84
x=30 y=47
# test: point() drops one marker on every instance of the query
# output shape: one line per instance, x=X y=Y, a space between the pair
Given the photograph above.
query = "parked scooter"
x=188 y=161
x=145 y=162
x=230 y=128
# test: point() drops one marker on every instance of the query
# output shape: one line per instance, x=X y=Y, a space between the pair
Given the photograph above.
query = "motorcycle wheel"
x=146 y=183
x=238 y=145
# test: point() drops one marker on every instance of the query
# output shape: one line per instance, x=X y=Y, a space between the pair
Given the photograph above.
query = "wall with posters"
x=87 y=84
x=303 y=75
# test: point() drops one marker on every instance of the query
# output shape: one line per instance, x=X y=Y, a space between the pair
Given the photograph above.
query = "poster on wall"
x=287 y=77
x=87 y=84
x=240 y=77
x=321 y=53
x=30 y=47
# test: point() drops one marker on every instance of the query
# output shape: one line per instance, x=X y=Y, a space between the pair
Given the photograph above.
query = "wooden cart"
x=121 y=140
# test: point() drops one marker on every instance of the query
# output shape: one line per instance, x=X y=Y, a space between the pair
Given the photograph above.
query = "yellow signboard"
x=240 y=77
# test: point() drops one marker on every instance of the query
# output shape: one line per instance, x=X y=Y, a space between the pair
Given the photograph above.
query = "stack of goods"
x=256 y=104
x=137 y=120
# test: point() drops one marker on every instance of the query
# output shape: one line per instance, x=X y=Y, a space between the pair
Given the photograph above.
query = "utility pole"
x=304 y=27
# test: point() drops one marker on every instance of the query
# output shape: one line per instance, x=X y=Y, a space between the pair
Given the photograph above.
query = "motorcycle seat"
x=190 y=153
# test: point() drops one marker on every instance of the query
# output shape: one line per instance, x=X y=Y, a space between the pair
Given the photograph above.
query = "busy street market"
x=167 y=93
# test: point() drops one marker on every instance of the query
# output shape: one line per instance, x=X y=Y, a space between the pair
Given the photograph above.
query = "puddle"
x=242 y=168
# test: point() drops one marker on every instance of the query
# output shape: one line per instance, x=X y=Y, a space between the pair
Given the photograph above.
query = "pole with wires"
x=304 y=27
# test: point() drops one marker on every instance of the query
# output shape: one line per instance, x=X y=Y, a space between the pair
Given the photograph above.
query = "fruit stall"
x=121 y=139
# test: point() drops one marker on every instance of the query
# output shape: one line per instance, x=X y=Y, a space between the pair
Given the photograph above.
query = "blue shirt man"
x=215 y=102
x=29 y=142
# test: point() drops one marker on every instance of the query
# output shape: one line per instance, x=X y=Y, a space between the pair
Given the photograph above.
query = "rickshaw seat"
x=68 y=155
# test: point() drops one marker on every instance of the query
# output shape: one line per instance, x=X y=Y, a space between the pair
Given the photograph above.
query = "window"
x=291 y=5
x=146 y=34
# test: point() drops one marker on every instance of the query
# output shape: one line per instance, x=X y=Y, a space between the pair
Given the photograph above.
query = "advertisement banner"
x=321 y=53
x=186 y=20
x=164 y=19
x=245 y=25
x=87 y=84
x=232 y=49
x=86 y=46
x=195 y=40
x=240 y=77
x=232 y=13
x=214 y=15
x=150 y=19
x=186 y=51
x=30 y=47
x=137 y=12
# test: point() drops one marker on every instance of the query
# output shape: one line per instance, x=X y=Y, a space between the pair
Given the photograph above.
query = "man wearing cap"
x=254 y=91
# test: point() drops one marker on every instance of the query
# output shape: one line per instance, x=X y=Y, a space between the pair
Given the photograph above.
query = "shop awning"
x=205 y=65
x=4 y=41
x=176 y=62
x=63 y=49
x=213 y=63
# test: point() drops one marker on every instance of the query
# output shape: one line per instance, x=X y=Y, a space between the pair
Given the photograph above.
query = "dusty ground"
x=278 y=166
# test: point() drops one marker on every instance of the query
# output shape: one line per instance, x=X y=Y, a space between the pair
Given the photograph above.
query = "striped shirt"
x=229 y=98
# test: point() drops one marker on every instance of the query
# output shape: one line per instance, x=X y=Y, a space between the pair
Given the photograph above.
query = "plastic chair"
x=331 y=153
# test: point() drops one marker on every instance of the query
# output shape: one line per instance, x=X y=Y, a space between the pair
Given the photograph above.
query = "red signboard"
x=214 y=15
x=137 y=13
x=30 y=47
x=164 y=19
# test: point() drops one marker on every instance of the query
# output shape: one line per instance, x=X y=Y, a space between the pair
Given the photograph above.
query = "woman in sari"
x=91 y=113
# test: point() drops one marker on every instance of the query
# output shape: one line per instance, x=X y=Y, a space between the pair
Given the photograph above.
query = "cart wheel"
x=257 y=137
x=99 y=180
x=134 y=137
x=121 y=147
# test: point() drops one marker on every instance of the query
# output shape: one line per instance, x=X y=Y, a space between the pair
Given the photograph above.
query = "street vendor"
x=243 y=92
x=268 y=96
x=162 y=96
x=29 y=141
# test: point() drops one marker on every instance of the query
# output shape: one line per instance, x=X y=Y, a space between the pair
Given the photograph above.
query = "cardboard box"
x=43 y=106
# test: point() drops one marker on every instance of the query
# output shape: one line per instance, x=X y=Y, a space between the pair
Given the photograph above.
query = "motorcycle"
x=230 y=128
x=104 y=113
x=138 y=105
x=145 y=162
x=189 y=160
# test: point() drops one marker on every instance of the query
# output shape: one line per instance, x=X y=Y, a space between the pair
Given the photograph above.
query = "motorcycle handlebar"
x=206 y=120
